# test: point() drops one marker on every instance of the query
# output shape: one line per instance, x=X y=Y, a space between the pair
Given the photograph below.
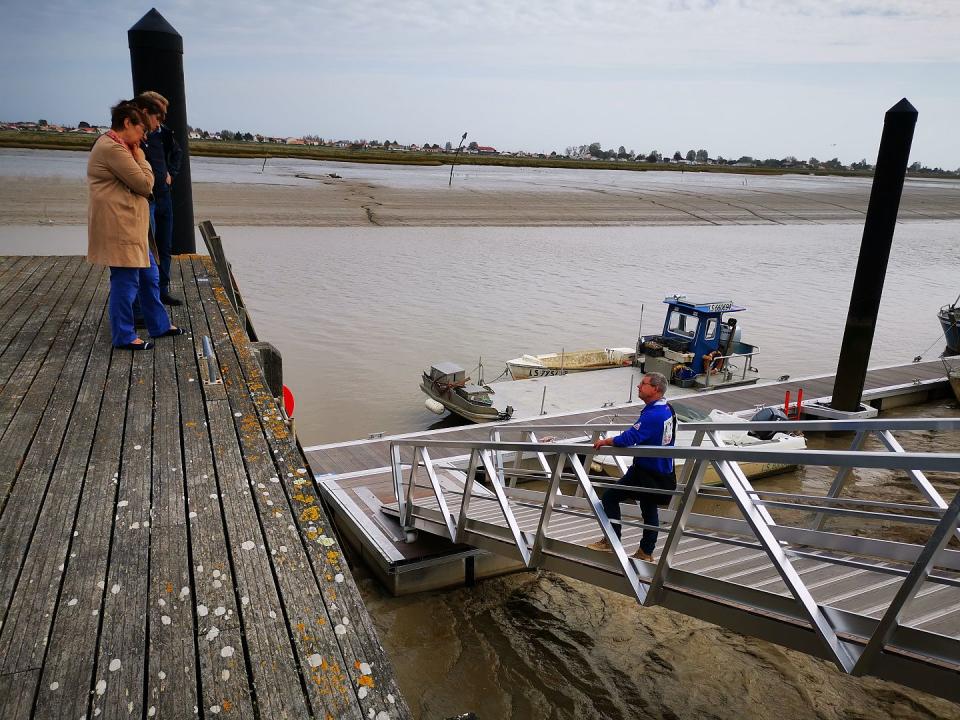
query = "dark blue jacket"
x=655 y=426
x=164 y=155
x=153 y=149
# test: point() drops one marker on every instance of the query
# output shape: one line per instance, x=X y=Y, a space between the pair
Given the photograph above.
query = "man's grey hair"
x=658 y=382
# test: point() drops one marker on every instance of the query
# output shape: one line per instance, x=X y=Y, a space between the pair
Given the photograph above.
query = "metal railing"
x=471 y=496
x=724 y=364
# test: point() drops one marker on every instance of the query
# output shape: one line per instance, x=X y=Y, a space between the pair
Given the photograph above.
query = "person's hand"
x=138 y=153
x=169 y=179
x=602 y=442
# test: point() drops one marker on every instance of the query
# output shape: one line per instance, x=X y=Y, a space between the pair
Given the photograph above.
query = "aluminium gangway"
x=778 y=571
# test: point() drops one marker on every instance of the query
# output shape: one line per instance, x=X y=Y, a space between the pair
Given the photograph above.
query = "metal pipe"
x=881 y=220
x=212 y=374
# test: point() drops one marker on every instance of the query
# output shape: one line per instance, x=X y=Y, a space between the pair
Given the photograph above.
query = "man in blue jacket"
x=656 y=426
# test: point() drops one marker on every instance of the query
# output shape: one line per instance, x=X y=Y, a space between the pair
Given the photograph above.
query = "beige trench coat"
x=118 y=217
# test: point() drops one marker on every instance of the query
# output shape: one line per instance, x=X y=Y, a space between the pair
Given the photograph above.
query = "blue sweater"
x=653 y=427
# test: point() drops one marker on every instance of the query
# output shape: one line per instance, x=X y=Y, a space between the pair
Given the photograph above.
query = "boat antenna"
x=561 y=360
x=480 y=366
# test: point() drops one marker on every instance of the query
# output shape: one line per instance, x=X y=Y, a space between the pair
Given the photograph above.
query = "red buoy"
x=288 y=401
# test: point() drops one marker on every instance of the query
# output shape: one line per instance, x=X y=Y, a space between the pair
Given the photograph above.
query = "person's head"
x=652 y=387
x=160 y=100
x=126 y=119
x=151 y=111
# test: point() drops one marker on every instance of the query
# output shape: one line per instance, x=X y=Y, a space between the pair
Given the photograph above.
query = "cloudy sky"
x=735 y=77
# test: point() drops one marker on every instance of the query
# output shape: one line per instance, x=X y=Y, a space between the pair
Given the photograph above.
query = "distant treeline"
x=379 y=154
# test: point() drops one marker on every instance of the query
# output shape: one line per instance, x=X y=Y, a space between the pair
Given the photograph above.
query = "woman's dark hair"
x=125 y=110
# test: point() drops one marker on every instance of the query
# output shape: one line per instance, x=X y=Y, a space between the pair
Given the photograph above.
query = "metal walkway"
x=817 y=573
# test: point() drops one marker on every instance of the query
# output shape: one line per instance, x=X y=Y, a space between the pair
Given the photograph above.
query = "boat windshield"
x=681 y=323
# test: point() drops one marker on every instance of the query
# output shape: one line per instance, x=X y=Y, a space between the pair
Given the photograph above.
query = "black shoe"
x=135 y=346
x=172 y=332
x=170 y=300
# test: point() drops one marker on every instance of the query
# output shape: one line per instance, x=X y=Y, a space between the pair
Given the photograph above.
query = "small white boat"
x=447 y=387
x=561 y=363
x=752 y=470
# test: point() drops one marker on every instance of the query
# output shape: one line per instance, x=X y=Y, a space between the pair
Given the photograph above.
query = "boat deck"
x=356 y=480
x=162 y=550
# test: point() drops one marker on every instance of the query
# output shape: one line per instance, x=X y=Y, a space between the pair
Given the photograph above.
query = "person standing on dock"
x=163 y=153
x=656 y=426
x=120 y=181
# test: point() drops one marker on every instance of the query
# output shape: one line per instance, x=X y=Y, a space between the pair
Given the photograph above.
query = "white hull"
x=562 y=363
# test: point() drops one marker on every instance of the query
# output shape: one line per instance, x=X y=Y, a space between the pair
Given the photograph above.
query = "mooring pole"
x=898 y=125
x=156 y=62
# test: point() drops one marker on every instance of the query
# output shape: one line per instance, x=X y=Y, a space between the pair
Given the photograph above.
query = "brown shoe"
x=602 y=545
x=641 y=555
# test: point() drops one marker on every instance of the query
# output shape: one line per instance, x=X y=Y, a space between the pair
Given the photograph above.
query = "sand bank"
x=333 y=203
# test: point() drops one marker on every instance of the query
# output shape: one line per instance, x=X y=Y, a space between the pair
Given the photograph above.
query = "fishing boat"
x=561 y=363
x=698 y=346
x=949 y=316
x=447 y=387
x=734 y=438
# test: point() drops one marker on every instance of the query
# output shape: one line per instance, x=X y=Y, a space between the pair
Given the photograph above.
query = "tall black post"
x=156 y=62
x=878 y=229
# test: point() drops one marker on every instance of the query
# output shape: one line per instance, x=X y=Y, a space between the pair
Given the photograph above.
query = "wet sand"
x=331 y=203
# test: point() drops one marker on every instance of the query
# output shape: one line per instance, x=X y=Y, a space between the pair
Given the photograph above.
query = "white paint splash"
x=365 y=668
x=202 y=610
x=226 y=651
x=55 y=686
x=248 y=545
x=115 y=589
x=165 y=619
x=213 y=633
x=101 y=687
x=114 y=664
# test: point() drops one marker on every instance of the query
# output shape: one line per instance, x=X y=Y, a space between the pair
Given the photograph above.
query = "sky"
x=768 y=79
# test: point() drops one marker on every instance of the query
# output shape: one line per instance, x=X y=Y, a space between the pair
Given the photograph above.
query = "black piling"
x=156 y=62
x=898 y=125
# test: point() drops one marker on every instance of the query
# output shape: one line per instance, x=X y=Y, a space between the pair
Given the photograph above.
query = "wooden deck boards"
x=162 y=547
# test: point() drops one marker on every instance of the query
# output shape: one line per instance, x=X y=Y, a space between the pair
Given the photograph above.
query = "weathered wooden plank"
x=172 y=648
x=52 y=465
x=16 y=694
x=72 y=649
x=20 y=356
x=264 y=435
x=17 y=287
x=32 y=443
x=121 y=648
x=224 y=680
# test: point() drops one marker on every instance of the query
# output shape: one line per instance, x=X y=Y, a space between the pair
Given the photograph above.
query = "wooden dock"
x=163 y=550
x=356 y=480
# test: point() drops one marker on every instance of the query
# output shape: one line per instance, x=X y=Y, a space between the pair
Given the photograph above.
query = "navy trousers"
x=127 y=284
x=163 y=234
x=640 y=477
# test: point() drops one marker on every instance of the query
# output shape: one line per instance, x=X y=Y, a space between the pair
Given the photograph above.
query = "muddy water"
x=539 y=645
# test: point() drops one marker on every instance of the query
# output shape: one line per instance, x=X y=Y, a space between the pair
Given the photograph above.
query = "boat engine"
x=434 y=407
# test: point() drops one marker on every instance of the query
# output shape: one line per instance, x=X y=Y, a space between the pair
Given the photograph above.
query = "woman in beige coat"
x=120 y=181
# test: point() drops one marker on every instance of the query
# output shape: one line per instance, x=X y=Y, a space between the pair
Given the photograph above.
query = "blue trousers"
x=126 y=285
x=163 y=233
x=640 y=477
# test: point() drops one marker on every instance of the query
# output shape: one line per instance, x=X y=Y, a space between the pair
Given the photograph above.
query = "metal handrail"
x=758 y=530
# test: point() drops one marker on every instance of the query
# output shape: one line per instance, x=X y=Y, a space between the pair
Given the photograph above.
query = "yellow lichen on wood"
x=310 y=514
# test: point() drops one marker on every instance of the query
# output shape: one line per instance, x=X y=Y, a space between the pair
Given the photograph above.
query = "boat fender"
x=434 y=407
x=717 y=366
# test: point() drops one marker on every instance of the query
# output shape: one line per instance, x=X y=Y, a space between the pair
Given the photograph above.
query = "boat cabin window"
x=711 y=332
x=682 y=324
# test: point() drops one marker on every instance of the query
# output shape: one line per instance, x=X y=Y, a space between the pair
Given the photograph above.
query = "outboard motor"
x=768 y=414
